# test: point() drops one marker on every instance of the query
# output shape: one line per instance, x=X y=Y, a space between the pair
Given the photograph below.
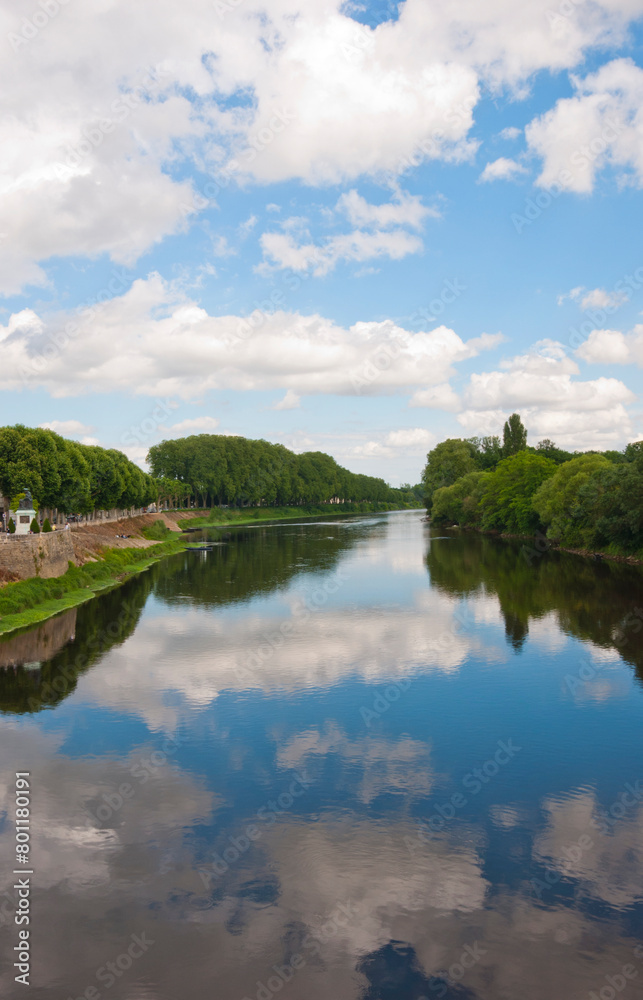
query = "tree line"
x=591 y=500
x=238 y=471
x=203 y=469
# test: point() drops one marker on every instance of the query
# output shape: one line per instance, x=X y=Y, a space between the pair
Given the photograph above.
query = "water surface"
x=334 y=760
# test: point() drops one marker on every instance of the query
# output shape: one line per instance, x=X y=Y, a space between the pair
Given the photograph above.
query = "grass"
x=29 y=602
x=157 y=532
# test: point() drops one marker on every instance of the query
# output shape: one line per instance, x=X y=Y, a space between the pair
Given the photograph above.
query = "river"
x=347 y=758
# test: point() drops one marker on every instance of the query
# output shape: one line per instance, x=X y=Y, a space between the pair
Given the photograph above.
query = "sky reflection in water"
x=365 y=763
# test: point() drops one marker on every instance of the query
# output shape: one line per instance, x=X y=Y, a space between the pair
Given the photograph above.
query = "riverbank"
x=541 y=544
x=105 y=559
x=29 y=602
x=222 y=517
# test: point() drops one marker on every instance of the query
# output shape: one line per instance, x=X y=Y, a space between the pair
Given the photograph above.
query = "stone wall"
x=43 y=555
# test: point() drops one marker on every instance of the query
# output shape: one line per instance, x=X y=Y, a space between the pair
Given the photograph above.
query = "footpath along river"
x=331 y=760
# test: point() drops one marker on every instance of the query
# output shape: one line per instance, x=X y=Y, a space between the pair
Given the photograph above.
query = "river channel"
x=337 y=759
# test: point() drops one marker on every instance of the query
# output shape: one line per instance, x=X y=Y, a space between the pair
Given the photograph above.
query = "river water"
x=333 y=760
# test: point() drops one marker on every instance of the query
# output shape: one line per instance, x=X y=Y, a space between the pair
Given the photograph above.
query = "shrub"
x=46 y=526
x=156 y=532
x=12 y=526
x=35 y=527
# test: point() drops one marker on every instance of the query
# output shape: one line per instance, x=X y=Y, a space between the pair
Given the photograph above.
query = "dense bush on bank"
x=590 y=501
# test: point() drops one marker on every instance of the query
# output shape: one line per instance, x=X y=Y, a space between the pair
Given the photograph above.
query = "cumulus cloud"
x=404 y=210
x=412 y=440
x=72 y=429
x=154 y=341
x=281 y=250
x=611 y=347
x=502 y=169
x=437 y=397
x=291 y=401
x=193 y=425
x=103 y=114
x=510 y=133
x=383 y=231
x=540 y=385
x=596 y=298
x=601 y=125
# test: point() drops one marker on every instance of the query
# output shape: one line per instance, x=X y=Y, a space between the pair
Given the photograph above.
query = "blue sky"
x=430 y=215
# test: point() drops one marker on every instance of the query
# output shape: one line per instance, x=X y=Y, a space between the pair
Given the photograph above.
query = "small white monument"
x=25 y=514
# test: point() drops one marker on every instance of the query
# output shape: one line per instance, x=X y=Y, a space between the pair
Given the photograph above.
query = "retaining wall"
x=43 y=555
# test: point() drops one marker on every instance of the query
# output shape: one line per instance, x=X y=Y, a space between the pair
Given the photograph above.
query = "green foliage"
x=507 y=498
x=610 y=508
x=557 y=500
x=446 y=463
x=12 y=526
x=460 y=503
x=15 y=501
x=46 y=525
x=35 y=527
x=514 y=436
x=592 y=500
x=488 y=451
x=220 y=470
x=547 y=448
x=157 y=532
x=72 y=477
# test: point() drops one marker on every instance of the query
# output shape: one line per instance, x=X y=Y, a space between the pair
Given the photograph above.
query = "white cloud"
x=407 y=441
x=576 y=414
x=510 y=133
x=281 y=250
x=611 y=347
x=71 y=429
x=381 y=232
x=601 y=125
x=404 y=210
x=291 y=401
x=413 y=438
x=437 y=397
x=193 y=425
x=596 y=298
x=154 y=340
x=502 y=169
x=100 y=114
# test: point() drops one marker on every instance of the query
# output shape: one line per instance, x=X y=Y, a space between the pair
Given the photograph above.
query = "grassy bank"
x=219 y=517
x=29 y=602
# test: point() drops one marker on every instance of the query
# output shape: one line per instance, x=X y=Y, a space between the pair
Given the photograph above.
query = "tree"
x=556 y=501
x=507 y=500
x=547 y=448
x=446 y=463
x=460 y=503
x=514 y=436
x=488 y=451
